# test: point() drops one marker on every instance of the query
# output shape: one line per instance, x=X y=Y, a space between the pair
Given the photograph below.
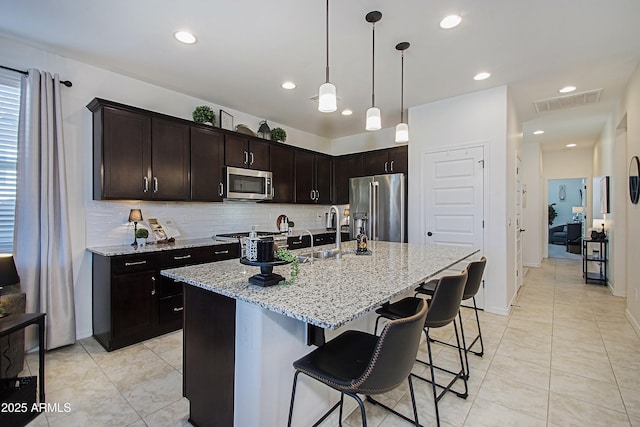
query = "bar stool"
x=443 y=309
x=476 y=270
x=358 y=362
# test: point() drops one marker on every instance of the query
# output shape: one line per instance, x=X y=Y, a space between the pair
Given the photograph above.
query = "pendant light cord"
x=327 y=34
x=373 y=67
x=402 y=89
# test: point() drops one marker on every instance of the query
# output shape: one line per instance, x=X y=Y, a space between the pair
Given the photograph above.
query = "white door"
x=453 y=203
x=518 y=227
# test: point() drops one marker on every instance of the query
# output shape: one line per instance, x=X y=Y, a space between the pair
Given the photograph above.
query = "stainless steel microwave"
x=248 y=184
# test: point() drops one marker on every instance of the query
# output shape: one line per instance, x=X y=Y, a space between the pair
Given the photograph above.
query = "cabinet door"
x=133 y=307
x=124 y=169
x=304 y=176
x=399 y=160
x=170 y=160
x=282 y=167
x=345 y=167
x=207 y=153
x=236 y=151
x=323 y=173
x=374 y=162
x=259 y=155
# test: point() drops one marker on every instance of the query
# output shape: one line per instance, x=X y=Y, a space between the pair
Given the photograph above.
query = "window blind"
x=9 y=112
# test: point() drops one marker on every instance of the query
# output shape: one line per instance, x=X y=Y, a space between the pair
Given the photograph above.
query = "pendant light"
x=402 y=129
x=373 y=113
x=327 y=94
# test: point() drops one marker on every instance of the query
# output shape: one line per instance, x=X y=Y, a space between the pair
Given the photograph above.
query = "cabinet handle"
x=221 y=252
x=385 y=167
x=153 y=290
x=155 y=184
x=294 y=243
x=178 y=309
x=311 y=195
x=392 y=165
x=221 y=192
x=145 y=188
x=317 y=195
x=251 y=158
x=182 y=257
x=246 y=157
x=128 y=264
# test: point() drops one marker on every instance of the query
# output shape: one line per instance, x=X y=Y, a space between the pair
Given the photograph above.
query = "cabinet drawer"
x=223 y=252
x=170 y=309
x=131 y=263
x=168 y=287
x=296 y=243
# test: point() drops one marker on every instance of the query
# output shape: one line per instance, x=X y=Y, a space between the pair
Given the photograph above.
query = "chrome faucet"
x=338 y=242
x=311 y=236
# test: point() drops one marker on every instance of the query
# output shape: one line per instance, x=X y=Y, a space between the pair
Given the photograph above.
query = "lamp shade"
x=346 y=212
x=135 y=215
x=402 y=132
x=327 y=98
x=373 y=119
x=8 y=272
x=598 y=224
x=577 y=209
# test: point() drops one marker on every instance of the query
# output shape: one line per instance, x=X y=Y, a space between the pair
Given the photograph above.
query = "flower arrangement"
x=204 y=114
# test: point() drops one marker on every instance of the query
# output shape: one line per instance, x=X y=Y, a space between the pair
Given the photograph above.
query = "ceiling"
x=247 y=48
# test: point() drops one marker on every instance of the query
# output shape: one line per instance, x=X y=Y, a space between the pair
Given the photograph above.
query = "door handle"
x=429 y=233
x=385 y=167
x=522 y=229
x=392 y=165
x=246 y=157
x=146 y=184
x=251 y=163
x=153 y=290
x=155 y=184
x=221 y=187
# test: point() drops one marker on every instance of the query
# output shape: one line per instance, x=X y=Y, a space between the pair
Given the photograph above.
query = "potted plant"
x=204 y=114
x=285 y=255
x=278 y=135
x=552 y=213
x=142 y=234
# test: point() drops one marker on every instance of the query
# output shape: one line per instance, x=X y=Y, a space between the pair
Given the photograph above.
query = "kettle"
x=330 y=220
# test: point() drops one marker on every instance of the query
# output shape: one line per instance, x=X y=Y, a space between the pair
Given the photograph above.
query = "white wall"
x=514 y=160
x=96 y=223
x=632 y=111
x=474 y=119
x=533 y=217
x=384 y=138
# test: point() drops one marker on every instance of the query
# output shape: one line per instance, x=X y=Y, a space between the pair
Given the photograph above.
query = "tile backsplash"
x=107 y=222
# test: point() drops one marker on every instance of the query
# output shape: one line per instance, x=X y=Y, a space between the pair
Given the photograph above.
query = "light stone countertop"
x=329 y=293
x=154 y=247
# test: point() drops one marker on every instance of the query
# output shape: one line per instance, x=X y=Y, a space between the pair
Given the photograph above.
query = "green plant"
x=203 y=114
x=284 y=255
x=142 y=233
x=278 y=134
x=553 y=214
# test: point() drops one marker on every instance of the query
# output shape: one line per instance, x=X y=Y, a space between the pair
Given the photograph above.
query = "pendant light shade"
x=373 y=114
x=402 y=129
x=327 y=99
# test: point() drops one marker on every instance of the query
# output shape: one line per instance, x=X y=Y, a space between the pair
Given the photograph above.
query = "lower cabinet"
x=132 y=302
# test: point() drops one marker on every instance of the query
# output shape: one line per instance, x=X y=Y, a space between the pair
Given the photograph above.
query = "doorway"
x=567 y=212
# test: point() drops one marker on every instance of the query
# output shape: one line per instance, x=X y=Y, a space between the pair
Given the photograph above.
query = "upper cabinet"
x=137 y=156
x=389 y=160
x=313 y=177
x=346 y=167
x=243 y=152
x=207 y=165
x=282 y=168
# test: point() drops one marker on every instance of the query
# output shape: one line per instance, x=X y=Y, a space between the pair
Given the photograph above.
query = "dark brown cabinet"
x=313 y=177
x=282 y=168
x=389 y=160
x=243 y=152
x=207 y=165
x=133 y=302
x=137 y=155
x=346 y=167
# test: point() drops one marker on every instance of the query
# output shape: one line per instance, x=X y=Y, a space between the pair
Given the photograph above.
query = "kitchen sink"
x=320 y=254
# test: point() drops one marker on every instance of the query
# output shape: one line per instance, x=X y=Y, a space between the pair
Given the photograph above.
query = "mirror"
x=634 y=179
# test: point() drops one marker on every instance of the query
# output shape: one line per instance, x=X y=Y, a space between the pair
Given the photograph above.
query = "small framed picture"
x=605 y=206
x=226 y=120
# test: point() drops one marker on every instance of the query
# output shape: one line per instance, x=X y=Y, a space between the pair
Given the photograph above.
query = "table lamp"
x=8 y=273
x=135 y=215
x=577 y=212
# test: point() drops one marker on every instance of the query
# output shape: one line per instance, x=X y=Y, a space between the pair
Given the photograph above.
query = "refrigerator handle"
x=374 y=210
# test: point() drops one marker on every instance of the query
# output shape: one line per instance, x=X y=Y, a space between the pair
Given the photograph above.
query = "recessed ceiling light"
x=288 y=85
x=567 y=89
x=570 y=145
x=185 y=37
x=538 y=132
x=482 y=76
x=347 y=112
x=450 y=22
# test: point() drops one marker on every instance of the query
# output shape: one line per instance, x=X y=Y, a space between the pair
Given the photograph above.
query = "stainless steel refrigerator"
x=378 y=203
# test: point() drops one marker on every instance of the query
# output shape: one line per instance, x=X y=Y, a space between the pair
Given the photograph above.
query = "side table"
x=18 y=321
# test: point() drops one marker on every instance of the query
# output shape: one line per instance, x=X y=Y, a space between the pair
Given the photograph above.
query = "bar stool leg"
x=467 y=370
x=293 y=395
x=462 y=374
x=433 y=378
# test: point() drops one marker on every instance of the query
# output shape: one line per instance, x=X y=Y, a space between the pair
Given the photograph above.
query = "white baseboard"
x=634 y=323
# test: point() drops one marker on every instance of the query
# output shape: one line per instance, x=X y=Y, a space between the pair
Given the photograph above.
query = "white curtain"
x=42 y=243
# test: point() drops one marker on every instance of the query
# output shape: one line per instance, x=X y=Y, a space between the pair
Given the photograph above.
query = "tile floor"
x=566 y=356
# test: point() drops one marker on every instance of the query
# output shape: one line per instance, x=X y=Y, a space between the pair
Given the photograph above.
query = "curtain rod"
x=67 y=83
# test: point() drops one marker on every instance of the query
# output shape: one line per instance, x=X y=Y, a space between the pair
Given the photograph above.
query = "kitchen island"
x=240 y=339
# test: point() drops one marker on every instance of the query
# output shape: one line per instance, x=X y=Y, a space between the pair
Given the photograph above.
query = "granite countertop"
x=155 y=247
x=329 y=293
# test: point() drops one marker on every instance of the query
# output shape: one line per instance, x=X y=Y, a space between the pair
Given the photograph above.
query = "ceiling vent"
x=568 y=101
